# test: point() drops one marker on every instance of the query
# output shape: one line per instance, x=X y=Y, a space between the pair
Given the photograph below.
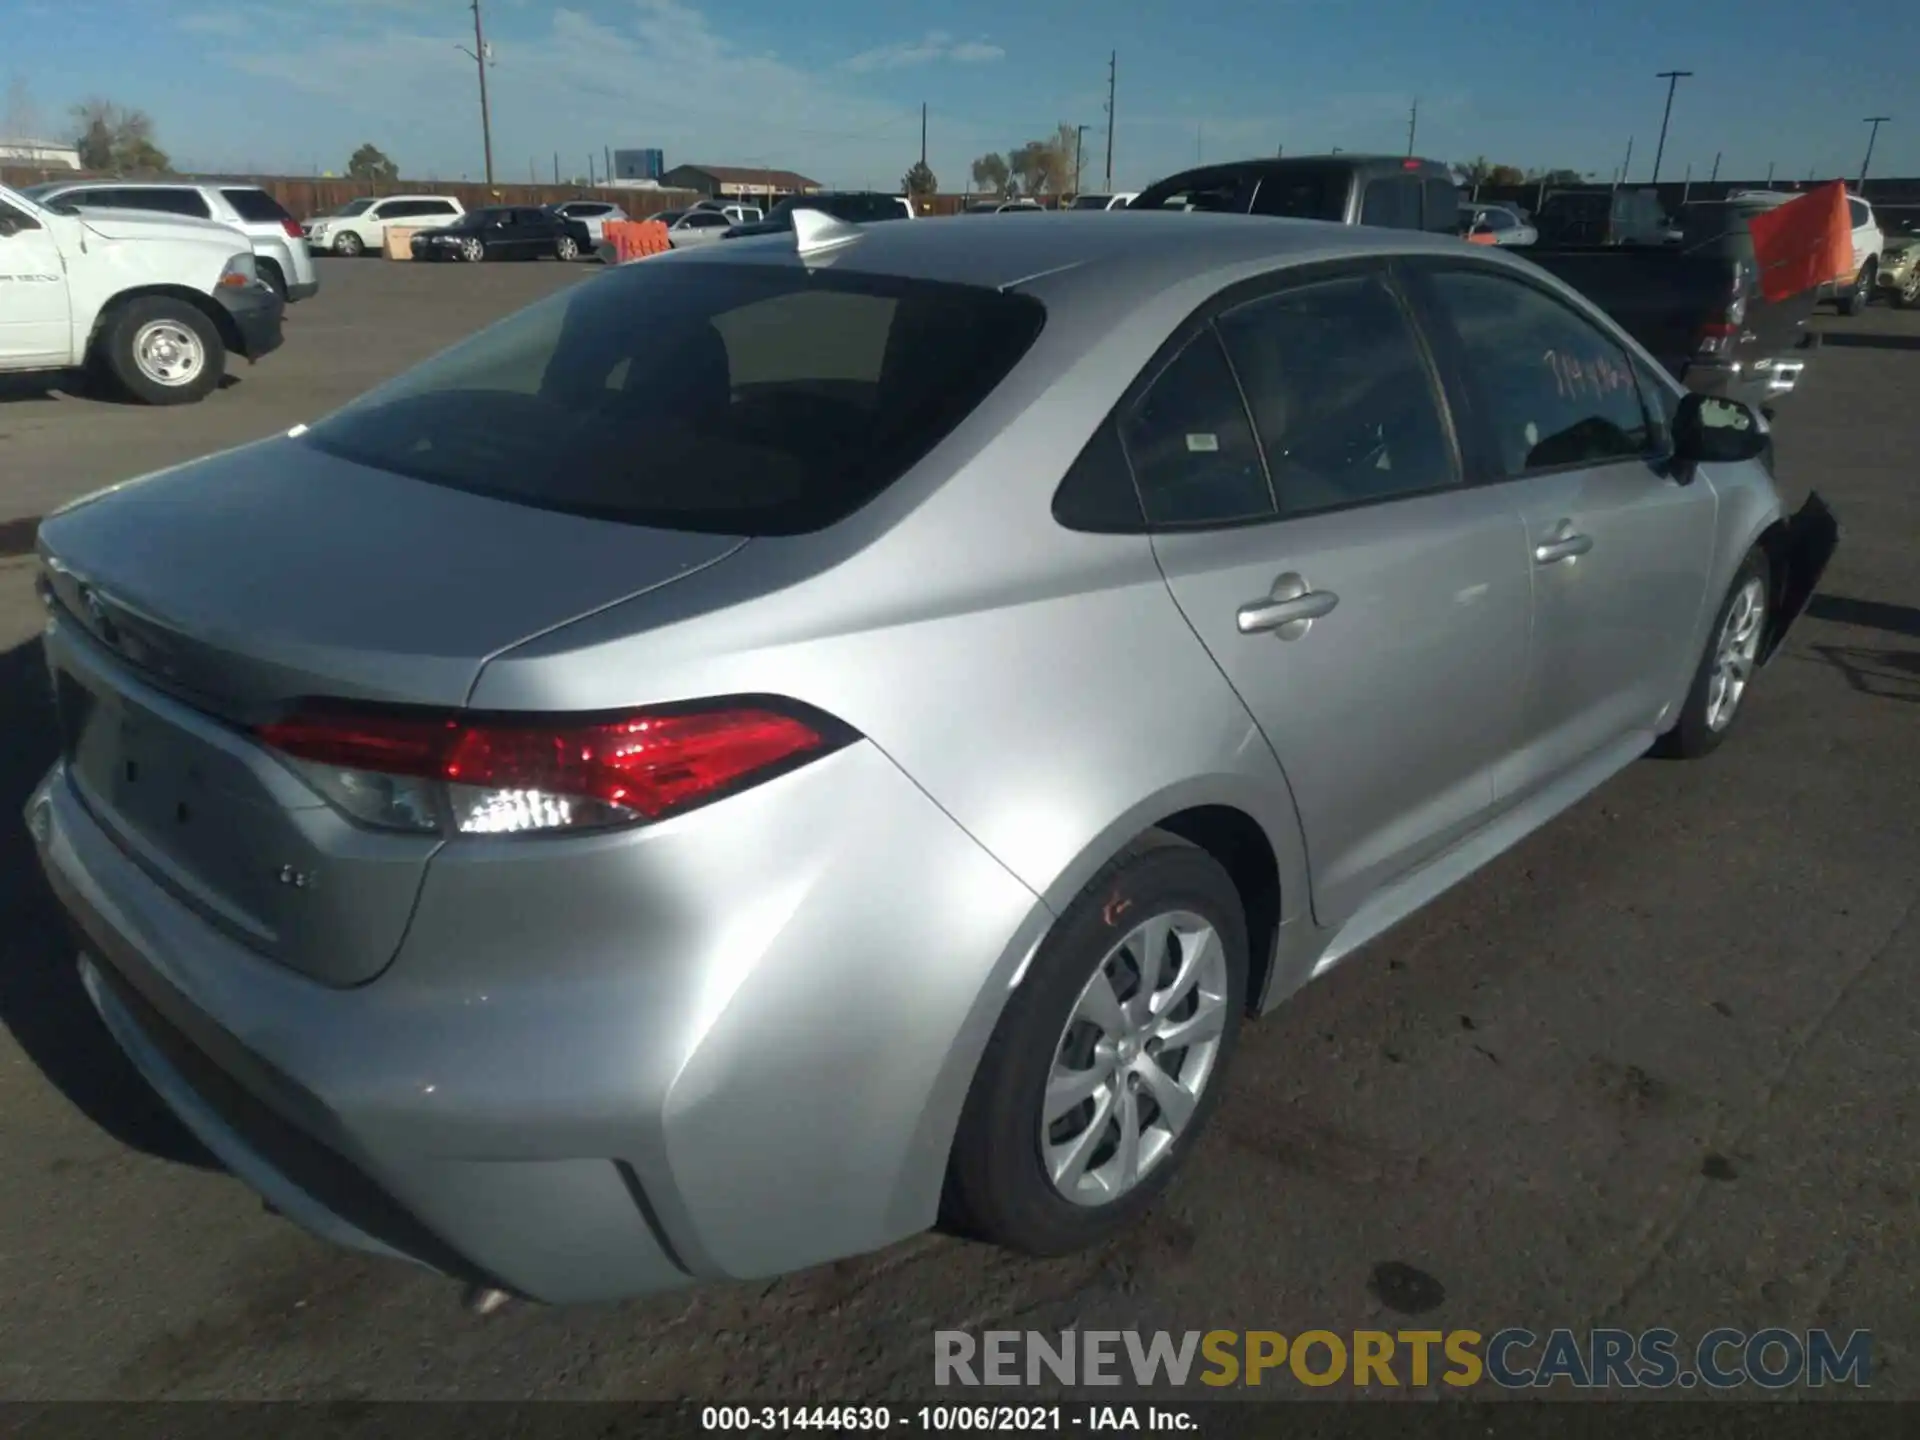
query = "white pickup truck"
x=155 y=303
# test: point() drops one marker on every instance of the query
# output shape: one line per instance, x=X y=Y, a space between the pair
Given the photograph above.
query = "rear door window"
x=168 y=201
x=729 y=399
x=1392 y=202
x=1316 y=192
x=1442 y=201
x=1347 y=409
x=255 y=206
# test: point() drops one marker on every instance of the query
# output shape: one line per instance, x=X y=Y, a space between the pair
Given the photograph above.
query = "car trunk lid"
x=194 y=605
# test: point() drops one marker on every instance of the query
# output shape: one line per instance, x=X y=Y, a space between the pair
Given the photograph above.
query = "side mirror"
x=9 y=227
x=1710 y=430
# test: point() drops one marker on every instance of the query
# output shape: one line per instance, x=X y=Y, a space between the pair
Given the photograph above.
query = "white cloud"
x=935 y=45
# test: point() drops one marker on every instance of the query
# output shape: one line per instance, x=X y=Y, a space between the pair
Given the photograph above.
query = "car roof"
x=1150 y=248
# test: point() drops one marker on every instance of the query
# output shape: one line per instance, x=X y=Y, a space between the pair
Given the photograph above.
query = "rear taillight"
x=292 y=227
x=403 y=770
x=1716 y=338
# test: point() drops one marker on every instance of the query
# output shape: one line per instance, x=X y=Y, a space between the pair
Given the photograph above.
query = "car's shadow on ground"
x=41 y=999
x=55 y=387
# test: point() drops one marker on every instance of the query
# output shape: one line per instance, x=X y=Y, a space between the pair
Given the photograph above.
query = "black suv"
x=1396 y=192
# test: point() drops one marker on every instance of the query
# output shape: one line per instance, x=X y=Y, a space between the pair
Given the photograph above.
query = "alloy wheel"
x=1137 y=1051
x=472 y=250
x=1735 y=653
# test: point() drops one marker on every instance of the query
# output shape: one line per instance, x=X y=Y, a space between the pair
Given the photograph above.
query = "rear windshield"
x=1220 y=190
x=256 y=206
x=725 y=398
x=1718 y=228
x=1092 y=202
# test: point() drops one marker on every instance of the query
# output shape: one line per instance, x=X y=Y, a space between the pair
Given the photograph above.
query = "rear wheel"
x=163 y=351
x=347 y=245
x=566 y=248
x=1727 y=668
x=1107 y=1062
x=271 y=277
x=473 y=249
x=1855 y=300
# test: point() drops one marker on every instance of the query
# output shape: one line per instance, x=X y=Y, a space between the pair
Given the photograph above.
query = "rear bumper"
x=256 y=313
x=695 y=1058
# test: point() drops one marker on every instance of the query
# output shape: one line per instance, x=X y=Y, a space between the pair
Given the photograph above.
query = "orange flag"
x=1804 y=243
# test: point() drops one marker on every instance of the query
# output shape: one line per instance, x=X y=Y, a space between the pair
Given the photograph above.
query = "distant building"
x=721 y=182
x=49 y=154
x=631 y=165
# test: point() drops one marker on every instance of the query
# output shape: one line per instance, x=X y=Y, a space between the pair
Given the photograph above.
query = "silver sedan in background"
x=1497 y=225
x=773 y=749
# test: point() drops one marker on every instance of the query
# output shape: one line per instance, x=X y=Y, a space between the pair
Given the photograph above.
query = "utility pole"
x=1413 y=124
x=606 y=155
x=1113 y=71
x=556 y=167
x=1716 y=168
x=1876 y=121
x=1199 y=141
x=1627 y=164
x=1686 y=185
x=1079 y=142
x=1673 y=78
x=923 y=132
x=592 y=182
x=1769 y=174
x=482 y=57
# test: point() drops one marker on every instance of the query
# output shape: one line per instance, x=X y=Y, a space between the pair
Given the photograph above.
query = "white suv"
x=279 y=248
x=361 y=225
x=1869 y=243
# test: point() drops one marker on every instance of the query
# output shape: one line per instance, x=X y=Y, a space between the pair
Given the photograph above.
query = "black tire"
x=1856 y=299
x=997 y=1187
x=347 y=245
x=566 y=248
x=1692 y=735
x=123 y=333
x=271 y=277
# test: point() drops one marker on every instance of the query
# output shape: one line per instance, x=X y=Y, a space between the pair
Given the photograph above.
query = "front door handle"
x=1287 y=612
x=1564 y=547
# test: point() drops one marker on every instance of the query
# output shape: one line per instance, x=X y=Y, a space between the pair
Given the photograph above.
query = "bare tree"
x=990 y=173
x=116 y=139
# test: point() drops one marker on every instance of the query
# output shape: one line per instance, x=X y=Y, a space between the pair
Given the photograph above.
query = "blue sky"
x=833 y=88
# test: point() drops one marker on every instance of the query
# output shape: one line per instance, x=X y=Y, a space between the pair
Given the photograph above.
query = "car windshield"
x=352 y=208
x=727 y=399
x=39 y=195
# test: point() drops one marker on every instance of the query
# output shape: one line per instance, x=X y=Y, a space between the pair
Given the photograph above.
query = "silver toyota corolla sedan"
x=784 y=745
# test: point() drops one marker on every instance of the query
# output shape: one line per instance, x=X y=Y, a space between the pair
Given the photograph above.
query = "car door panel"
x=1613 y=622
x=35 y=317
x=1389 y=713
x=1619 y=549
x=1370 y=611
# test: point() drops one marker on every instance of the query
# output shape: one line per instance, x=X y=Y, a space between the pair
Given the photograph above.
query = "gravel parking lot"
x=1655 y=1067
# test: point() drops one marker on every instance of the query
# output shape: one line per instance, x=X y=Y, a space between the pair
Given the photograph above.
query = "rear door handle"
x=1565 y=547
x=1288 y=610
